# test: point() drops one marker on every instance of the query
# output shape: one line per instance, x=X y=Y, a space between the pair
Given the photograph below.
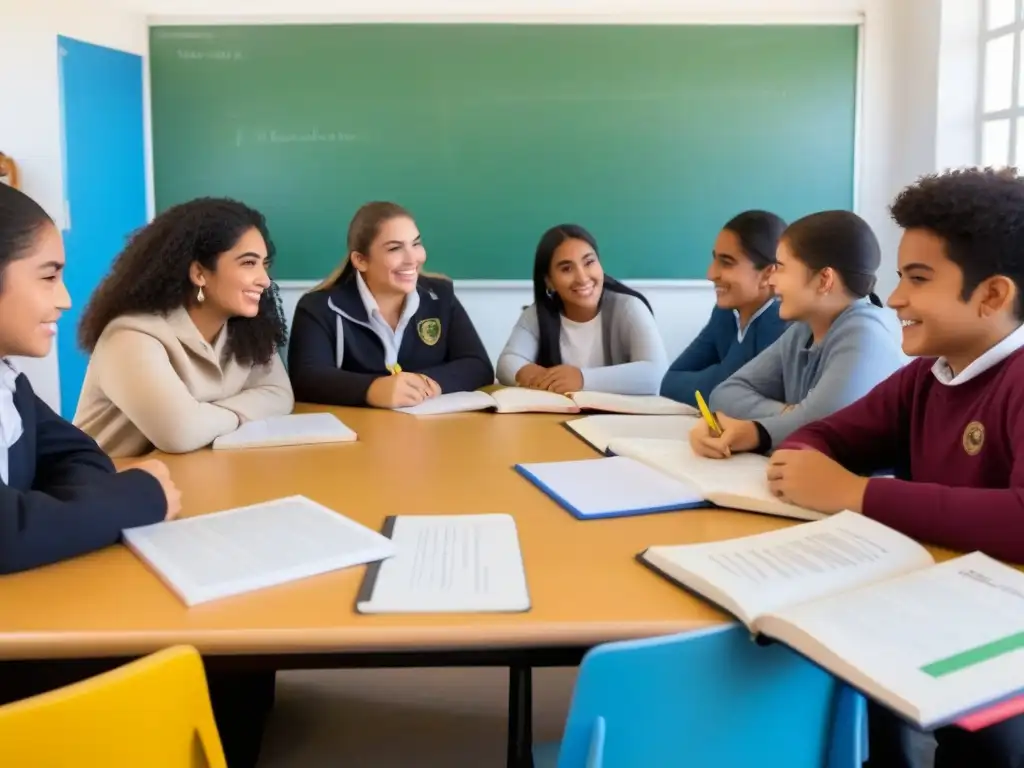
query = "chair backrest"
x=154 y=712
x=711 y=697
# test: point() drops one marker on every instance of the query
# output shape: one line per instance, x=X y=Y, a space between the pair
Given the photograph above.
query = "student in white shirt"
x=585 y=330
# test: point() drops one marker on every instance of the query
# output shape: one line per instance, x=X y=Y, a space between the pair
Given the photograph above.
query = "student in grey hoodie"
x=840 y=345
x=585 y=330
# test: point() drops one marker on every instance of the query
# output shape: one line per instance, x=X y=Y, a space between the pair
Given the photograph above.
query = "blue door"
x=104 y=180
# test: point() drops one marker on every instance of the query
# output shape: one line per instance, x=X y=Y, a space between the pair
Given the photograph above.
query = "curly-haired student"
x=951 y=423
x=184 y=334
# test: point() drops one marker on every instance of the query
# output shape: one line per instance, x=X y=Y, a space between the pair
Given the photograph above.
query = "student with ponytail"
x=746 y=320
x=380 y=332
x=840 y=345
x=585 y=329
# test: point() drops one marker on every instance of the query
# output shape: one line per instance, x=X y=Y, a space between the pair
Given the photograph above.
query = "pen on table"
x=708 y=417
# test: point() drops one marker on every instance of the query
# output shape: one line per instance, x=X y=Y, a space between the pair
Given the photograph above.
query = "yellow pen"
x=395 y=369
x=708 y=417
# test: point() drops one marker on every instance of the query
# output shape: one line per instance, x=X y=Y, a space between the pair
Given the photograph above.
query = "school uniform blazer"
x=63 y=497
x=335 y=354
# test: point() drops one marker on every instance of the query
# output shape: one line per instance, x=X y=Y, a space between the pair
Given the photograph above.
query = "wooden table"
x=585 y=586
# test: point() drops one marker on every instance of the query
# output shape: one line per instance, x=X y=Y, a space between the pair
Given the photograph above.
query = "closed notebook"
x=239 y=550
x=739 y=482
x=609 y=487
x=601 y=429
x=524 y=400
x=294 y=429
x=931 y=642
x=448 y=564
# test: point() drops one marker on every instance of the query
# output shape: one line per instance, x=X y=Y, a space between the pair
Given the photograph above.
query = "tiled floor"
x=411 y=718
x=393 y=718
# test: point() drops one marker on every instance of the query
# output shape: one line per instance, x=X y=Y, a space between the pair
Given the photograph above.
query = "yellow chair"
x=151 y=713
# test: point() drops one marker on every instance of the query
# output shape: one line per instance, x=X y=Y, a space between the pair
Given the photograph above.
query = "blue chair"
x=712 y=698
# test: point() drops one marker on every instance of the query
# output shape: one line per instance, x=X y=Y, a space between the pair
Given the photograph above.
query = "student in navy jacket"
x=745 y=320
x=378 y=332
x=60 y=495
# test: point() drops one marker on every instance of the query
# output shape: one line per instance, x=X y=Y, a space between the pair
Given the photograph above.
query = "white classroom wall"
x=912 y=59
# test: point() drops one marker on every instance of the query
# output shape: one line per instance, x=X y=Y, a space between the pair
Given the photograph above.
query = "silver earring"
x=549 y=292
x=199 y=296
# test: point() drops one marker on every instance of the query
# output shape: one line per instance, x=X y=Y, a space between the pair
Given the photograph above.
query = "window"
x=1001 y=96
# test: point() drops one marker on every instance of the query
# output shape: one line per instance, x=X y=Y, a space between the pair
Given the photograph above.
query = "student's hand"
x=433 y=387
x=160 y=471
x=810 y=479
x=737 y=437
x=562 y=379
x=530 y=375
x=399 y=391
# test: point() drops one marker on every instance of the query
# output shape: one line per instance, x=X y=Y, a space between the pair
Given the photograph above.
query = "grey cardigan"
x=860 y=349
x=634 y=354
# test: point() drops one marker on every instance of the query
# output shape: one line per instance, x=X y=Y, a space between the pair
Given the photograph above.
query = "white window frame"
x=1016 y=110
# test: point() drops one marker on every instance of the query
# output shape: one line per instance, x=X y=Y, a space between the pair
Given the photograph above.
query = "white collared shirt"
x=390 y=337
x=10 y=419
x=741 y=330
x=992 y=357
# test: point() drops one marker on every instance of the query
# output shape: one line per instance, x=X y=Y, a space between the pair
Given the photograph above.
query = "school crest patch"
x=974 y=438
x=429 y=330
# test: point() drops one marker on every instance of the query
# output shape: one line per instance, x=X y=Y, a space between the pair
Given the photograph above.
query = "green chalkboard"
x=649 y=136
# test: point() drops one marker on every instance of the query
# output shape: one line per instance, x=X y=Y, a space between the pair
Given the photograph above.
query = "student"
x=841 y=345
x=585 y=330
x=190 y=305
x=951 y=423
x=59 y=493
x=746 y=319
x=378 y=331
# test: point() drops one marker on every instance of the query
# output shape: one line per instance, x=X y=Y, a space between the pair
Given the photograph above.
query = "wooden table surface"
x=585 y=585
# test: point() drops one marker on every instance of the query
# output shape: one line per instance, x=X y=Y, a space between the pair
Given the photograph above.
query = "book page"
x=652 y=405
x=294 y=429
x=755 y=575
x=600 y=430
x=934 y=643
x=225 y=553
x=525 y=400
x=739 y=482
x=453 y=402
x=609 y=487
x=451 y=563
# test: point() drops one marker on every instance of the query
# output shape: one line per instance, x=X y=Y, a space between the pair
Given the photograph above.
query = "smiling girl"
x=378 y=331
x=184 y=334
x=746 y=319
x=841 y=342
x=585 y=329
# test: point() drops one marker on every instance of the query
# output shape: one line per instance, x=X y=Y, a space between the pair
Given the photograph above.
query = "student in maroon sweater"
x=950 y=425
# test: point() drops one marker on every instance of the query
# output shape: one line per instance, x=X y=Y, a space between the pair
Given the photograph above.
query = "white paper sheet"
x=451 y=564
x=294 y=429
x=226 y=553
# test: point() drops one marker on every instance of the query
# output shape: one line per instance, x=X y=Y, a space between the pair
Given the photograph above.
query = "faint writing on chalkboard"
x=185 y=34
x=188 y=55
x=277 y=136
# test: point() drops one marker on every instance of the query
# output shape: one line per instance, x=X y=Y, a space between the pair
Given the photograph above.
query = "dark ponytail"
x=843 y=241
x=21 y=219
x=549 y=306
x=758 y=233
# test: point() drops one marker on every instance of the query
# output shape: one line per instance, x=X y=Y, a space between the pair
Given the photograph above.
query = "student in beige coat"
x=184 y=334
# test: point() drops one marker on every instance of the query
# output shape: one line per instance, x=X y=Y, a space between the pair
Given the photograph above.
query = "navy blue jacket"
x=716 y=353
x=456 y=360
x=63 y=497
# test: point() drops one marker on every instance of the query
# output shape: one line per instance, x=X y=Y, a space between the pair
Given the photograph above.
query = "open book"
x=226 y=553
x=294 y=429
x=931 y=642
x=739 y=482
x=523 y=400
x=598 y=431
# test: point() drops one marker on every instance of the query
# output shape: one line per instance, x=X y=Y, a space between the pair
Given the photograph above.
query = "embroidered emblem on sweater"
x=974 y=438
x=429 y=330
